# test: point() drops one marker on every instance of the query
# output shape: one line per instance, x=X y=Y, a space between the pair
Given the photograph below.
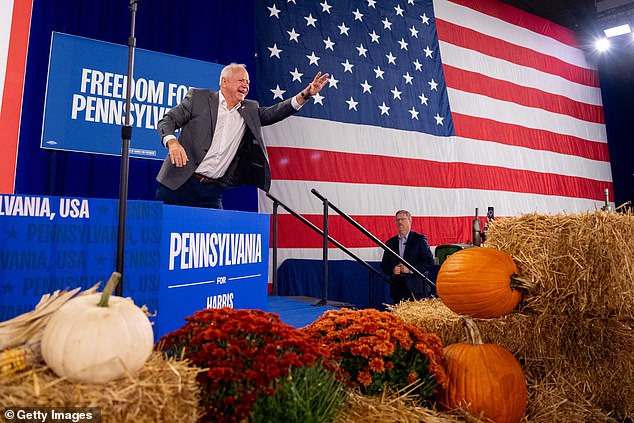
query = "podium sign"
x=55 y=243
x=178 y=260
x=211 y=259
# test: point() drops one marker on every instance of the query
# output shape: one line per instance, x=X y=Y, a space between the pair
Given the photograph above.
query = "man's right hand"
x=177 y=153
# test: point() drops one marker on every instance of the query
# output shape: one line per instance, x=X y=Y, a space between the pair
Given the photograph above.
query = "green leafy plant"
x=308 y=395
x=378 y=349
x=244 y=352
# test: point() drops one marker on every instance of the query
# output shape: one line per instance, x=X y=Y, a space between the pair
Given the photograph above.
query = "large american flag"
x=438 y=107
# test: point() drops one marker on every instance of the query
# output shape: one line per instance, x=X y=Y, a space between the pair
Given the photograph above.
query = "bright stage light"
x=617 y=30
x=602 y=44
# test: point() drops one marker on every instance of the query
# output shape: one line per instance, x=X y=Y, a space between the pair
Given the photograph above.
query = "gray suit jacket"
x=196 y=117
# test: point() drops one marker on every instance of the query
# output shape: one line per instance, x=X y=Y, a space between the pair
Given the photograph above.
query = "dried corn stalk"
x=20 y=337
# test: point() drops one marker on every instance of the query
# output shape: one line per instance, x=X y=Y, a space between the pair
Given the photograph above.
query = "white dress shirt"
x=229 y=130
x=230 y=127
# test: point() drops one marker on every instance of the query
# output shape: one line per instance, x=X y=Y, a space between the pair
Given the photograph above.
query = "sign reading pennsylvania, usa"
x=61 y=243
x=86 y=95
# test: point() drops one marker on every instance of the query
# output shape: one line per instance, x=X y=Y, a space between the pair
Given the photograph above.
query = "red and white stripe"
x=530 y=137
x=15 y=21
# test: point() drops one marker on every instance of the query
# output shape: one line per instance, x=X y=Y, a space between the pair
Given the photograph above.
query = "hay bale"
x=509 y=331
x=574 y=332
x=164 y=390
x=582 y=263
x=548 y=403
x=396 y=408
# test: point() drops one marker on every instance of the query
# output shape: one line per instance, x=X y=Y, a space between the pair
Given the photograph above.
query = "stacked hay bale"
x=574 y=331
x=164 y=390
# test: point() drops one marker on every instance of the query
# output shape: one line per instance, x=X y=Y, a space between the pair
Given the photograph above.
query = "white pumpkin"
x=97 y=338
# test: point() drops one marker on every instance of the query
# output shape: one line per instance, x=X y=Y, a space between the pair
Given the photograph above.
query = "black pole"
x=324 y=282
x=275 y=213
x=370 y=296
x=126 y=135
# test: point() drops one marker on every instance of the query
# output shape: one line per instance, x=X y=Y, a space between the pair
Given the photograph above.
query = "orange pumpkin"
x=483 y=379
x=480 y=282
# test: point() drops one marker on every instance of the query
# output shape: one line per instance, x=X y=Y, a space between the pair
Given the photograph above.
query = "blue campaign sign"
x=211 y=259
x=178 y=260
x=86 y=95
x=56 y=243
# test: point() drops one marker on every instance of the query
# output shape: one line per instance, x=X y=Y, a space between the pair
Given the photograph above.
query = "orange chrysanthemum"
x=378 y=348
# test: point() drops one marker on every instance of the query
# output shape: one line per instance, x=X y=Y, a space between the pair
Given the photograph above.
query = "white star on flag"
x=297 y=76
x=313 y=60
x=396 y=93
x=277 y=92
x=385 y=110
x=343 y=29
x=310 y=21
x=318 y=98
x=378 y=72
x=274 y=11
x=329 y=44
x=352 y=104
x=293 y=36
x=275 y=51
x=347 y=66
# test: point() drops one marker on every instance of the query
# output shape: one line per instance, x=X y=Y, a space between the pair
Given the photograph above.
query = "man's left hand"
x=318 y=83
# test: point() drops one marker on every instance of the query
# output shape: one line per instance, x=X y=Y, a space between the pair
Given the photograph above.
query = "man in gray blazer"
x=220 y=143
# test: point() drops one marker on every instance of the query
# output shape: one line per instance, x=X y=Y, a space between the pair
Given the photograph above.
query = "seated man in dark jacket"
x=414 y=249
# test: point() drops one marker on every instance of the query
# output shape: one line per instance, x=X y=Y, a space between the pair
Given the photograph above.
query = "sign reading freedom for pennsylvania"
x=86 y=95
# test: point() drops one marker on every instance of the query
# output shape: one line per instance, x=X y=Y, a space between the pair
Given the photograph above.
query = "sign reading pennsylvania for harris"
x=211 y=259
x=86 y=95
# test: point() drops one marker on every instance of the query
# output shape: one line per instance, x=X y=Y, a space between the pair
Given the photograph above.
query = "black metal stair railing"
x=327 y=238
x=374 y=239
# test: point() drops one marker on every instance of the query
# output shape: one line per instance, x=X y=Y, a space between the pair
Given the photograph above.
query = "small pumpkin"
x=480 y=282
x=483 y=379
x=98 y=337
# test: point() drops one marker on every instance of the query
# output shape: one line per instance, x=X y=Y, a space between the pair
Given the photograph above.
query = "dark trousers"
x=192 y=193
x=401 y=290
